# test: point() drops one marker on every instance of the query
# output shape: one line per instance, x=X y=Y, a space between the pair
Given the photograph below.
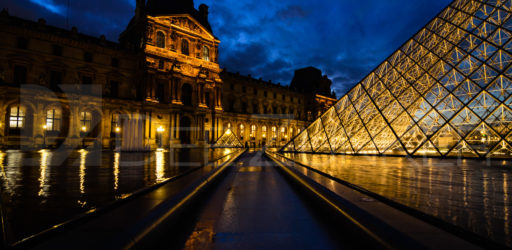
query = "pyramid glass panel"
x=229 y=140
x=446 y=92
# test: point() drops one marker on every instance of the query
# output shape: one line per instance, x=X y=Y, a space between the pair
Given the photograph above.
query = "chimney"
x=139 y=8
x=203 y=11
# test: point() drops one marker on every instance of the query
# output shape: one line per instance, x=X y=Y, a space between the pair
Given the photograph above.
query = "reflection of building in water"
x=445 y=92
x=470 y=193
x=44 y=169
x=160 y=85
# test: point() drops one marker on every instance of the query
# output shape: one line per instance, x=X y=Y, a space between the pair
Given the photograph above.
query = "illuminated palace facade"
x=159 y=86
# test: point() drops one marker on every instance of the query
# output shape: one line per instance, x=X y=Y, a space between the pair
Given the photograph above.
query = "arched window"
x=184 y=47
x=274 y=132
x=264 y=132
x=253 y=131
x=53 y=119
x=242 y=130
x=283 y=133
x=85 y=121
x=206 y=54
x=160 y=39
x=186 y=94
x=17 y=117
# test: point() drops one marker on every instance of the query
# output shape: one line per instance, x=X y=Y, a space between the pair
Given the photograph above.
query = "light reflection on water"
x=45 y=188
x=473 y=194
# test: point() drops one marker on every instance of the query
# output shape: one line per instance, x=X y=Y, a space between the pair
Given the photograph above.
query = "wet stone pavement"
x=45 y=188
x=254 y=207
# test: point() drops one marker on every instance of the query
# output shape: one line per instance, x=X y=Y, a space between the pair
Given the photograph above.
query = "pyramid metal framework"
x=228 y=140
x=445 y=92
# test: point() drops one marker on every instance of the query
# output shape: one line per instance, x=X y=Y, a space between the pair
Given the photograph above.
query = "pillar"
x=177 y=127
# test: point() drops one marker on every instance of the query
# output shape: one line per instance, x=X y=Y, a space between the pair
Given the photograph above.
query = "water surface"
x=45 y=188
x=470 y=193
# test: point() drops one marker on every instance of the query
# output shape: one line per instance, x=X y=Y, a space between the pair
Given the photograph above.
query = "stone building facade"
x=159 y=86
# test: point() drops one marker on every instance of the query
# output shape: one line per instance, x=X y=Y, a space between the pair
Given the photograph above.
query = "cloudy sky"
x=346 y=39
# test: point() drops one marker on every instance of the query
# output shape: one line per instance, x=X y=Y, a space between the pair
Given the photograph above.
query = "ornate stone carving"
x=185 y=23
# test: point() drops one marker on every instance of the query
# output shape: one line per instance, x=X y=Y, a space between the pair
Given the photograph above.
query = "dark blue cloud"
x=346 y=39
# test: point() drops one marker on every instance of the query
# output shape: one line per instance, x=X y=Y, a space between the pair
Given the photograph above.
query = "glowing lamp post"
x=84 y=129
x=117 y=138
x=160 y=130
x=44 y=135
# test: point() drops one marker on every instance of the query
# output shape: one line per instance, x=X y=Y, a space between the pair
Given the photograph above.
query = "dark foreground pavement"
x=254 y=207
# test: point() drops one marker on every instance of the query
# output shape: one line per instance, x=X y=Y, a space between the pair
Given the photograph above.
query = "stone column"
x=38 y=123
x=177 y=127
x=74 y=123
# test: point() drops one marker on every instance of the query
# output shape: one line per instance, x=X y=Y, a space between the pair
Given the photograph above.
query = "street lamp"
x=44 y=136
x=160 y=130
x=117 y=138
x=84 y=129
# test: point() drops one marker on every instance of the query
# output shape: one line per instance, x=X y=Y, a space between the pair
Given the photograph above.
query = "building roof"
x=173 y=7
x=41 y=26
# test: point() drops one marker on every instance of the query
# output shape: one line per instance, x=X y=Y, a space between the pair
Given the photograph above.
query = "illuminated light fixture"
x=228 y=132
x=118 y=129
x=160 y=129
x=44 y=127
x=84 y=128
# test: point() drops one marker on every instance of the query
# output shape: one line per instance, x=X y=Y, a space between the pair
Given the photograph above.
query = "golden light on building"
x=228 y=140
x=160 y=129
x=445 y=92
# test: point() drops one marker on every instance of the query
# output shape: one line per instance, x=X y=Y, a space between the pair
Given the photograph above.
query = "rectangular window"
x=115 y=62
x=207 y=99
x=115 y=123
x=55 y=79
x=22 y=43
x=86 y=84
x=20 y=75
x=85 y=121
x=114 y=89
x=160 y=92
x=16 y=117
x=160 y=64
x=57 y=50
x=53 y=119
x=87 y=57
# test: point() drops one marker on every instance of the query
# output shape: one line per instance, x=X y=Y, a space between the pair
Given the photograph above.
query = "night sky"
x=346 y=39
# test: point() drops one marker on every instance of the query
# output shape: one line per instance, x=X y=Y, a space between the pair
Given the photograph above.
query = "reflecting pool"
x=45 y=188
x=472 y=194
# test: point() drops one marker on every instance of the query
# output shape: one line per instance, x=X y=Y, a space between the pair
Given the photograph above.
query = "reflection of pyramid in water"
x=228 y=140
x=445 y=92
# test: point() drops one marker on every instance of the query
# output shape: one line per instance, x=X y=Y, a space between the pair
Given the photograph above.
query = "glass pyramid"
x=445 y=92
x=228 y=140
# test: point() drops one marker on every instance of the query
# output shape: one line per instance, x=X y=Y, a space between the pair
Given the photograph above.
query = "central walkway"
x=255 y=208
